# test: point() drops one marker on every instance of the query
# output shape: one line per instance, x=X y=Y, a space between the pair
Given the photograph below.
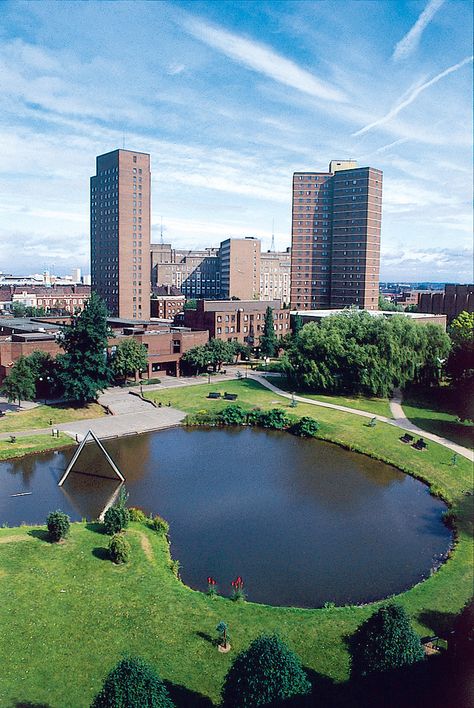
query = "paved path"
x=399 y=421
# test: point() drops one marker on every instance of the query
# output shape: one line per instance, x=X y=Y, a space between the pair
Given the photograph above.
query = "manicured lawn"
x=377 y=406
x=39 y=417
x=435 y=410
x=67 y=614
x=32 y=443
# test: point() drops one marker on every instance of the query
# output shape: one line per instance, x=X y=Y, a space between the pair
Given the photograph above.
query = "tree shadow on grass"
x=185 y=698
x=95 y=527
x=207 y=638
x=101 y=553
x=40 y=534
x=28 y=704
x=440 y=623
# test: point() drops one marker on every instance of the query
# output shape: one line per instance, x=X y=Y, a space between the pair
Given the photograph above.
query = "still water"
x=303 y=522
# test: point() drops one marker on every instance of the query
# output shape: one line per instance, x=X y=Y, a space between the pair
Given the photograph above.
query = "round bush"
x=133 y=684
x=58 y=525
x=232 y=415
x=159 y=525
x=384 y=641
x=137 y=515
x=264 y=674
x=305 y=427
x=119 y=549
x=116 y=519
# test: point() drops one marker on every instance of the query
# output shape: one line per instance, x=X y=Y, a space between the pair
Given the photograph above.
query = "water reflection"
x=304 y=522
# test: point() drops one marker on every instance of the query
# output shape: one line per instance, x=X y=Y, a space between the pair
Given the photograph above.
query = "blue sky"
x=230 y=98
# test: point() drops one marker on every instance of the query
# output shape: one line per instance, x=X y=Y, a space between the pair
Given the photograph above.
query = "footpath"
x=130 y=414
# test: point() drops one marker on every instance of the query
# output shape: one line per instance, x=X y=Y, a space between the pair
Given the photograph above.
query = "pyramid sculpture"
x=114 y=471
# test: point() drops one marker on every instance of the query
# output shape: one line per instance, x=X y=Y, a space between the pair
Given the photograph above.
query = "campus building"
x=165 y=344
x=237 y=320
x=56 y=298
x=120 y=232
x=335 y=241
x=238 y=268
x=451 y=302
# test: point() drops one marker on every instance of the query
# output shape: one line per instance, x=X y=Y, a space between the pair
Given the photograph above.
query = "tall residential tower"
x=335 y=241
x=120 y=233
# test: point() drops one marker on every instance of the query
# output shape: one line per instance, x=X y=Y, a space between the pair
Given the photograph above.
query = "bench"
x=230 y=396
x=214 y=394
x=420 y=444
x=406 y=438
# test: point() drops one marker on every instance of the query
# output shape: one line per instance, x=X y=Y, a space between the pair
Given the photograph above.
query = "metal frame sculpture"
x=91 y=434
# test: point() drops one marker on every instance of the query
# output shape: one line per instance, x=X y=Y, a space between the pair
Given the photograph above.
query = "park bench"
x=407 y=438
x=214 y=394
x=420 y=444
x=230 y=396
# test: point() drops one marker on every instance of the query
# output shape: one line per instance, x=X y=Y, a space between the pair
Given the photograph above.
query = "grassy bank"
x=28 y=444
x=67 y=606
x=41 y=416
x=436 y=410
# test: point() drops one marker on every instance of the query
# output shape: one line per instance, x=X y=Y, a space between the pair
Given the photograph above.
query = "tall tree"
x=297 y=324
x=268 y=340
x=461 y=361
x=84 y=367
x=264 y=674
x=384 y=641
x=219 y=352
x=197 y=358
x=356 y=353
x=20 y=382
x=129 y=358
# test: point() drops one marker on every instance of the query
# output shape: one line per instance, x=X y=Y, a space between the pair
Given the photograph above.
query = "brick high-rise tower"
x=120 y=233
x=335 y=242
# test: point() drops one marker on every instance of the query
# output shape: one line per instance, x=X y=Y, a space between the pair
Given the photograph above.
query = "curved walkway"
x=399 y=420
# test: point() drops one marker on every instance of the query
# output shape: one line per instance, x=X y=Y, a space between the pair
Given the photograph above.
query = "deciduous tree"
x=130 y=357
x=20 y=382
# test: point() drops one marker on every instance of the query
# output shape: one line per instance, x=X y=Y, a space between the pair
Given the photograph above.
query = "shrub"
x=305 y=427
x=275 y=418
x=264 y=674
x=254 y=416
x=116 y=519
x=119 y=549
x=159 y=525
x=383 y=642
x=134 y=684
x=137 y=515
x=58 y=525
x=231 y=415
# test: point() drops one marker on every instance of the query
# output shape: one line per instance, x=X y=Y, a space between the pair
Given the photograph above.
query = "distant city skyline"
x=230 y=99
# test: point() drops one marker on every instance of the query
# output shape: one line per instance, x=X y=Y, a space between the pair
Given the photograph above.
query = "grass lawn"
x=67 y=612
x=32 y=443
x=39 y=417
x=435 y=410
x=377 y=406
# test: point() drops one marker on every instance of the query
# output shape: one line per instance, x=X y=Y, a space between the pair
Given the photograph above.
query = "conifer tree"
x=268 y=340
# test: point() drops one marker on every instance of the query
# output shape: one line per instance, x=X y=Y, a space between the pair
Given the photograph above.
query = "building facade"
x=236 y=269
x=120 y=232
x=195 y=273
x=237 y=320
x=335 y=245
x=57 y=298
x=240 y=268
x=454 y=300
x=275 y=270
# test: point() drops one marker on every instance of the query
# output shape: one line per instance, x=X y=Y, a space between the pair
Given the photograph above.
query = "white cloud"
x=175 y=68
x=412 y=96
x=262 y=59
x=410 y=41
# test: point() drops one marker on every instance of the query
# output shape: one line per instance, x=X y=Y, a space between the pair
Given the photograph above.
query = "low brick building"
x=237 y=320
x=166 y=302
x=64 y=298
x=165 y=344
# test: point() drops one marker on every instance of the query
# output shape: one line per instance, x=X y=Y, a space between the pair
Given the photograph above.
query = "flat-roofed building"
x=335 y=247
x=275 y=267
x=120 y=232
x=237 y=320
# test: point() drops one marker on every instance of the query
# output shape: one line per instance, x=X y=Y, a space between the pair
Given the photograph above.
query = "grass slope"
x=436 y=411
x=67 y=614
x=40 y=416
x=28 y=444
